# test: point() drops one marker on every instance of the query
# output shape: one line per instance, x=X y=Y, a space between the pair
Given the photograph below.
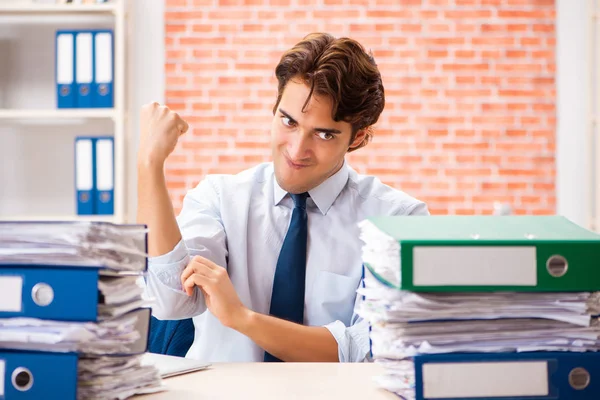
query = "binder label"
x=84 y=58
x=64 y=73
x=85 y=165
x=2 y=368
x=474 y=266
x=104 y=164
x=11 y=288
x=104 y=60
x=485 y=379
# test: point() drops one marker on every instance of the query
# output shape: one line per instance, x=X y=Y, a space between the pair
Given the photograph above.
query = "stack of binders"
x=73 y=322
x=483 y=307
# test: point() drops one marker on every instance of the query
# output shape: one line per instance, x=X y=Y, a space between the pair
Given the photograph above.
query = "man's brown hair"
x=341 y=69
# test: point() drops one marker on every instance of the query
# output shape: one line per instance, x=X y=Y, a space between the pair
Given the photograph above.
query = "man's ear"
x=358 y=139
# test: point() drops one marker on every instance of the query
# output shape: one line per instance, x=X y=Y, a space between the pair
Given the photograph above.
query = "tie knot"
x=299 y=199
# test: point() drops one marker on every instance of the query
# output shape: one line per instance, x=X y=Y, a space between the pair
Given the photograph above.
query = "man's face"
x=307 y=147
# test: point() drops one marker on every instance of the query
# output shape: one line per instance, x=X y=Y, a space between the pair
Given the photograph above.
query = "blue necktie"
x=287 y=298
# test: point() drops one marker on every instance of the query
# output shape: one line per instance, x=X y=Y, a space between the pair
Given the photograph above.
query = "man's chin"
x=289 y=184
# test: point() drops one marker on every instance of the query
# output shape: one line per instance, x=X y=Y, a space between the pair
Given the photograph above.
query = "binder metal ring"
x=22 y=379
x=557 y=265
x=579 y=378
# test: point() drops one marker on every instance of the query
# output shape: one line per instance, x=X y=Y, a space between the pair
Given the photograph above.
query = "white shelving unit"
x=30 y=8
x=58 y=114
x=37 y=138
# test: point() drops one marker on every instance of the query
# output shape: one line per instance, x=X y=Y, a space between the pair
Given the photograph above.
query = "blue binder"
x=103 y=84
x=84 y=70
x=508 y=376
x=54 y=293
x=65 y=69
x=105 y=176
x=50 y=292
x=85 y=175
x=29 y=375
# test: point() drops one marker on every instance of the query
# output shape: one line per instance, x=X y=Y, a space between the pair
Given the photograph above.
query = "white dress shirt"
x=240 y=222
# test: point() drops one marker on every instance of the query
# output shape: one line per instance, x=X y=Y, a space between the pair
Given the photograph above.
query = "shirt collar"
x=323 y=195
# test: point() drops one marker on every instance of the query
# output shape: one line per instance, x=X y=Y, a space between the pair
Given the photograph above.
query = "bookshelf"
x=37 y=138
x=30 y=8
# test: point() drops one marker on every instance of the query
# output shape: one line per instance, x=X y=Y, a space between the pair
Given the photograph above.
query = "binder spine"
x=65 y=69
x=84 y=71
x=527 y=375
x=60 y=293
x=29 y=375
x=105 y=176
x=103 y=85
x=85 y=175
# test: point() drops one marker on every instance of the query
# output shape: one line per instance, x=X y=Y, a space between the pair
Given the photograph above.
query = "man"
x=267 y=262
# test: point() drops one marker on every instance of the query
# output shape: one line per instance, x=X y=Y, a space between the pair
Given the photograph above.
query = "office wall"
x=470 y=92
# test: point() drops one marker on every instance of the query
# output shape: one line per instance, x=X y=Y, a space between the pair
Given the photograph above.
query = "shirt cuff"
x=167 y=268
x=353 y=341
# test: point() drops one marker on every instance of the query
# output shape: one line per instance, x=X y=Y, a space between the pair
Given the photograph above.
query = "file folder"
x=53 y=292
x=59 y=293
x=105 y=176
x=482 y=253
x=103 y=69
x=533 y=376
x=65 y=69
x=31 y=375
x=85 y=164
x=84 y=71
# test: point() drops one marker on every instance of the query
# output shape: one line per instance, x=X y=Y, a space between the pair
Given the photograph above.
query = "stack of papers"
x=405 y=324
x=110 y=344
x=107 y=378
x=122 y=335
x=118 y=247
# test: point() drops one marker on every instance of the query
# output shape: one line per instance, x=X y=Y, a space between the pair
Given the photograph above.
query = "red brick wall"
x=470 y=92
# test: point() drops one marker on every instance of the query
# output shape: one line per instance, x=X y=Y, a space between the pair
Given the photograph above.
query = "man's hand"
x=160 y=129
x=285 y=340
x=219 y=293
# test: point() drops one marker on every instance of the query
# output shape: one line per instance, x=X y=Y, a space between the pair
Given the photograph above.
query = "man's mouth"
x=296 y=165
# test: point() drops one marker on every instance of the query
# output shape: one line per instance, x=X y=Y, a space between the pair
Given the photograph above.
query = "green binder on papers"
x=481 y=253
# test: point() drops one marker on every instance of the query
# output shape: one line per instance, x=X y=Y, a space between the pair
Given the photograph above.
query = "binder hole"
x=557 y=266
x=42 y=294
x=22 y=379
x=579 y=378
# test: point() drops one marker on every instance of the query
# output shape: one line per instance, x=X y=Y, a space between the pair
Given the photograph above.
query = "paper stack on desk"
x=73 y=323
x=467 y=307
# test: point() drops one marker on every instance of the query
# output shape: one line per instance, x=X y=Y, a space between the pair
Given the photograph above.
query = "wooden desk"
x=276 y=381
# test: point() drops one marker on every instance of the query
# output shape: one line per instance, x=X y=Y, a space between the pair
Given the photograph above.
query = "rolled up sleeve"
x=353 y=341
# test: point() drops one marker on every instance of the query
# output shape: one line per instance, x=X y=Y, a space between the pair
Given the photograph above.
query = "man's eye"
x=287 y=122
x=325 y=135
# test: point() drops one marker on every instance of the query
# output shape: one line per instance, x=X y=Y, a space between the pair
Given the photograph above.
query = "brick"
x=493 y=41
x=437 y=53
x=468 y=14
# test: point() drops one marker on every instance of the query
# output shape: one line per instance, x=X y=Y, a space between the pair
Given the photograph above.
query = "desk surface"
x=276 y=381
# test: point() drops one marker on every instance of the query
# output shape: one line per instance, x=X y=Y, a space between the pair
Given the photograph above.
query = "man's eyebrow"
x=324 y=130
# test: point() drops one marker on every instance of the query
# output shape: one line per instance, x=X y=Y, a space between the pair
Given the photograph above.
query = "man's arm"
x=199 y=220
x=289 y=341
x=160 y=130
x=155 y=209
x=285 y=340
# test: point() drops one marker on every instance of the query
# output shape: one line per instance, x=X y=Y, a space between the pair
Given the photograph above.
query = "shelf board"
x=101 y=218
x=24 y=8
x=82 y=113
